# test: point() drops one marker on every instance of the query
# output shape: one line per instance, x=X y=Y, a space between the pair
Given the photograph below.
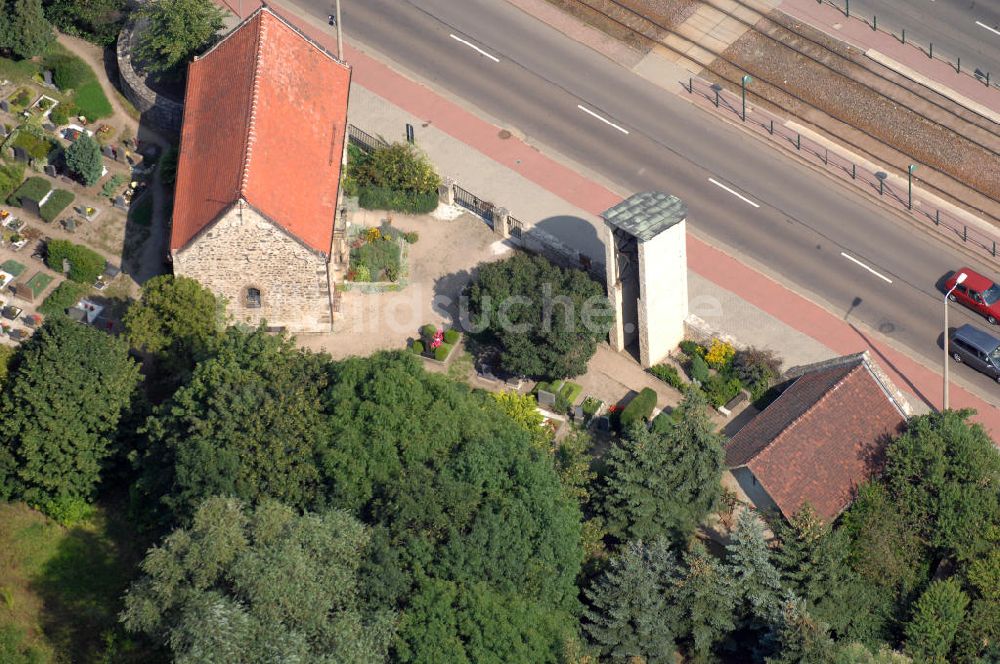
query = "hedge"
x=428 y=331
x=381 y=198
x=668 y=374
x=639 y=409
x=85 y=264
x=58 y=201
x=417 y=348
x=64 y=296
x=33 y=189
x=451 y=336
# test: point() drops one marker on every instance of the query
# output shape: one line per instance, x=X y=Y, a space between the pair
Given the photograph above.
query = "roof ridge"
x=254 y=94
x=826 y=394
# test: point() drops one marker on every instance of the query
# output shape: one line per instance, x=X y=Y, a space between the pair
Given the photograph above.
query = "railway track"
x=955 y=173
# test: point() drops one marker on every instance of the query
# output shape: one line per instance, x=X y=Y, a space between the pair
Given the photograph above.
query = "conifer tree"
x=631 y=613
x=707 y=603
x=801 y=638
x=754 y=577
x=936 y=618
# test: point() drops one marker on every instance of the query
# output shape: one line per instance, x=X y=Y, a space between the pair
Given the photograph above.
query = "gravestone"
x=108 y=151
x=120 y=154
x=47 y=78
x=48 y=126
x=604 y=424
x=578 y=413
x=119 y=203
x=4 y=106
x=21 y=154
x=50 y=170
x=3 y=130
x=546 y=398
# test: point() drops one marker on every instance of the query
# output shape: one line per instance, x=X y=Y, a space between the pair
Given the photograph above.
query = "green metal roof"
x=646 y=215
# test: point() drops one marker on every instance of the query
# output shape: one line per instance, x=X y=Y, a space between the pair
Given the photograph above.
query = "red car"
x=976 y=292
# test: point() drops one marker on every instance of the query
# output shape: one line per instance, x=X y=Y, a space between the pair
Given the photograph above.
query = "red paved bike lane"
x=707 y=261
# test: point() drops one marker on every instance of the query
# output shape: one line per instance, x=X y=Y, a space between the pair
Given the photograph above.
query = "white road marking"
x=734 y=193
x=604 y=120
x=475 y=48
x=856 y=261
x=983 y=25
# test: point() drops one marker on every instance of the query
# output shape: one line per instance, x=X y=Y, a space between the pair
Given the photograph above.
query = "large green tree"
x=665 y=482
x=979 y=634
x=633 y=613
x=60 y=407
x=176 y=31
x=83 y=159
x=936 y=618
x=708 y=602
x=23 y=28
x=259 y=585
x=945 y=472
x=96 y=20
x=755 y=579
x=249 y=423
x=547 y=320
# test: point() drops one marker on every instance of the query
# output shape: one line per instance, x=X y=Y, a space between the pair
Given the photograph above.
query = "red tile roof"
x=265 y=116
x=821 y=438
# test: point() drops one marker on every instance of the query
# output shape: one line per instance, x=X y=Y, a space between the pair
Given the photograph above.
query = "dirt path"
x=151 y=262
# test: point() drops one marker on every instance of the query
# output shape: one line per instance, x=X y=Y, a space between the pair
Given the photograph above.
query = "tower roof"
x=647 y=214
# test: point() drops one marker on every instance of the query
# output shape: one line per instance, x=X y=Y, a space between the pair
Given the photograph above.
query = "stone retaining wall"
x=162 y=113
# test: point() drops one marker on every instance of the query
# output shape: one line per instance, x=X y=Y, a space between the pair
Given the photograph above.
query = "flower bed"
x=721 y=371
x=435 y=343
x=374 y=257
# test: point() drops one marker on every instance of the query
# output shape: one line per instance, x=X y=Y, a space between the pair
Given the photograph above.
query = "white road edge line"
x=856 y=261
x=734 y=193
x=604 y=120
x=983 y=25
x=475 y=48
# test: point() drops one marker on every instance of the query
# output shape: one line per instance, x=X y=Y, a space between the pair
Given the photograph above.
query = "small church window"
x=253 y=298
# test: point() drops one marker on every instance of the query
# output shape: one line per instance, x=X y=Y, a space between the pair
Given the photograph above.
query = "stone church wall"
x=244 y=250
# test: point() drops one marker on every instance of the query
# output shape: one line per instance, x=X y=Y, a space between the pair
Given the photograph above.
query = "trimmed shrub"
x=62 y=113
x=58 y=201
x=441 y=352
x=638 y=409
x=698 y=369
x=417 y=347
x=68 y=71
x=11 y=176
x=719 y=389
x=91 y=102
x=428 y=331
x=411 y=237
x=64 y=296
x=668 y=374
x=383 y=198
x=692 y=348
x=33 y=189
x=451 y=337
x=83 y=159
x=85 y=264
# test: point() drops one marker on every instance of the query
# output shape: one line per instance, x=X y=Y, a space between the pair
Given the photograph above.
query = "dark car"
x=976 y=292
x=980 y=350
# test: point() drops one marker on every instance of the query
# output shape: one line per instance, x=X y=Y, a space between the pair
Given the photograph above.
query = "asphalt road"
x=804 y=224
x=969 y=29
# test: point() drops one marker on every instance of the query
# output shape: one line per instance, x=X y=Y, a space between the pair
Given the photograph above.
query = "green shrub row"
x=64 y=296
x=638 y=409
x=58 y=201
x=381 y=198
x=669 y=374
x=33 y=189
x=85 y=264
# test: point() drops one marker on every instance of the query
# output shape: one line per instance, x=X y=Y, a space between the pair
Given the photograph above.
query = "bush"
x=362 y=273
x=590 y=407
x=692 y=348
x=668 y=374
x=58 y=201
x=411 y=237
x=719 y=389
x=67 y=511
x=68 y=71
x=441 y=352
x=37 y=147
x=638 y=409
x=62 y=113
x=109 y=187
x=83 y=159
x=428 y=331
x=168 y=167
x=64 y=296
x=33 y=189
x=417 y=347
x=451 y=337
x=91 y=102
x=381 y=198
x=399 y=167
x=720 y=355
x=11 y=176
x=85 y=264
x=698 y=369
x=757 y=369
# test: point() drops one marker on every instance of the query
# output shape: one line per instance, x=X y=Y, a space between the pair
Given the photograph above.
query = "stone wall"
x=162 y=113
x=244 y=250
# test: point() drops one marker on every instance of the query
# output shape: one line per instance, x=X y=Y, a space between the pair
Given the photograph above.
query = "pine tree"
x=707 y=603
x=665 y=482
x=936 y=618
x=802 y=639
x=755 y=579
x=23 y=28
x=812 y=560
x=83 y=158
x=631 y=612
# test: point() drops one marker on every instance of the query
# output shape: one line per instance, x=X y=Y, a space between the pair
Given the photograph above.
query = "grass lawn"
x=38 y=282
x=60 y=587
x=12 y=267
x=91 y=102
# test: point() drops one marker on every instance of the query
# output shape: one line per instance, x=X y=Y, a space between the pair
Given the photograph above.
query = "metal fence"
x=470 y=201
x=364 y=140
x=514 y=226
x=874 y=183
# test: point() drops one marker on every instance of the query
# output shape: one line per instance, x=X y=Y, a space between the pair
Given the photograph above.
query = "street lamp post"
x=747 y=78
x=961 y=277
x=909 y=186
